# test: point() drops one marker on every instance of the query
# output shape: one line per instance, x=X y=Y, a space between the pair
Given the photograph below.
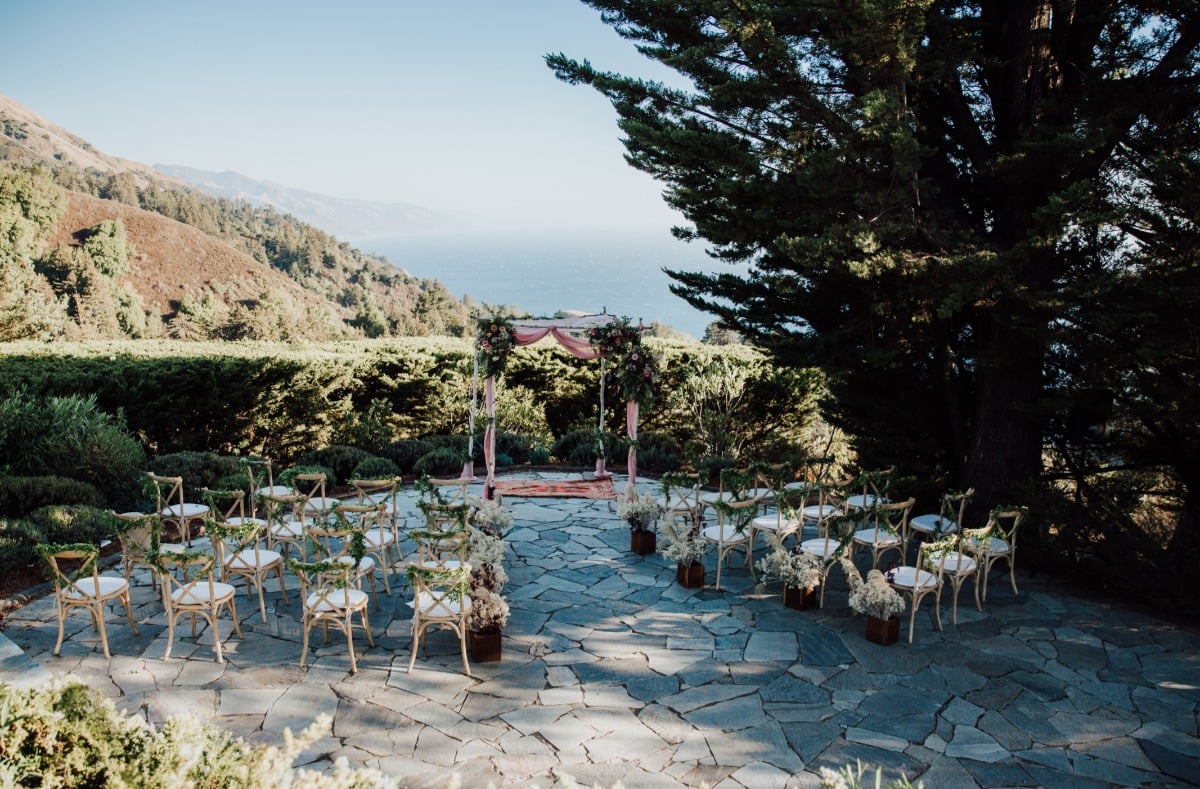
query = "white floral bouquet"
x=797 y=569
x=640 y=512
x=486 y=557
x=489 y=611
x=492 y=519
x=686 y=549
x=874 y=596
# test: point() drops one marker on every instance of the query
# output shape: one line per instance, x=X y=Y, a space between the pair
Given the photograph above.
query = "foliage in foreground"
x=69 y=735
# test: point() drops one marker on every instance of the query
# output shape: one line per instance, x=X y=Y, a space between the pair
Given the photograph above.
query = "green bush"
x=198 y=469
x=406 y=453
x=20 y=496
x=341 y=459
x=17 y=540
x=457 y=442
x=515 y=446
x=439 y=463
x=375 y=468
x=67 y=524
x=539 y=456
x=659 y=452
x=710 y=469
x=70 y=436
x=70 y=735
x=580 y=447
x=288 y=475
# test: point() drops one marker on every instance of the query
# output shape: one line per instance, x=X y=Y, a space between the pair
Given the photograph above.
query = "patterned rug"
x=558 y=488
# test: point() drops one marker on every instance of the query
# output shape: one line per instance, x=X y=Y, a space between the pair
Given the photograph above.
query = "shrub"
x=458 y=443
x=515 y=446
x=659 y=452
x=579 y=447
x=198 y=469
x=238 y=481
x=503 y=459
x=439 y=463
x=341 y=459
x=375 y=468
x=288 y=475
x=71 y=437
x=70 y=735
x=20 y=496
x=406 y=453
x=539 y=456
x=710 y=469
x=369 y=429
x=17 y=540
x=66 y=524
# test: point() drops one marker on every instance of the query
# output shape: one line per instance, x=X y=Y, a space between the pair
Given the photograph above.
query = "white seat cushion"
x=290 y=529
x=912 y=578
x=819 y=547
x=378 y=538
x=366 y=565
x=186 y=510
x=928 y=524
x=439 y=607
x=274 y=490
x=337 y=600
x=245 y=560
x=816 y=512
x=876 y=537
x=109 y=585
x=198 y=593
x=725 y=534
x=319 y=505
x=956 y=563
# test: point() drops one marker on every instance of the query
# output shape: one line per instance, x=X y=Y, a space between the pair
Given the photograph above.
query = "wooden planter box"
x=799 y=599
x=641 y=542
x=485 y=647
x=883 y=631
x=690 y=576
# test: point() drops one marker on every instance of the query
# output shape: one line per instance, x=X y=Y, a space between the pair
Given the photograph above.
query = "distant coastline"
x=545 y=272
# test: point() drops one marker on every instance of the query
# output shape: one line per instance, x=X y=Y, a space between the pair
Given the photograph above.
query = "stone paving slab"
x=612 y=672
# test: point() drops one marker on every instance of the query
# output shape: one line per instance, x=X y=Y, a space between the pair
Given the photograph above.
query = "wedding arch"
x=603 y=336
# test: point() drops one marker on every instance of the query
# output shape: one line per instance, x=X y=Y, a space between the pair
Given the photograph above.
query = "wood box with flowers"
x=489 y=610
x=878 y=600
x=800 y=572
x=686 y=547
x=641 y=513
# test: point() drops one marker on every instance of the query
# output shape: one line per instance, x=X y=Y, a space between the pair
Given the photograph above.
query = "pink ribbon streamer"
x=631 y=420
x=489 y=437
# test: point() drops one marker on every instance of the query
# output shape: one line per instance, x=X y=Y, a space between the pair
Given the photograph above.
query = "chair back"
x=450 y=490
x=441 y=594
x=66 y=565
x=441 y=547
x=224 y=506
x=326 y=586
x=370 y=491
x=310 y=486
x=954 y=505
x=1005 y=523
x=944 y=555
x=138 y=533
x=260 y=474
x=191 y=587
x=733 y=517
x=680 y=496
x=231 y=538
x=168 y=492
x=365 y=516
x=892 y=517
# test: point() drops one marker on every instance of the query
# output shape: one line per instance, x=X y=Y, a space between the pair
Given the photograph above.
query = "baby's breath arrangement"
x=873 y=597
x=492 y=519
x=797 y=569
x=685 y=547
x=640 y=512
x=486 y=558
x=489 y=611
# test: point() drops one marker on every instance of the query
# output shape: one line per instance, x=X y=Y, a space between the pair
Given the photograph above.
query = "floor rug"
x=558 y=488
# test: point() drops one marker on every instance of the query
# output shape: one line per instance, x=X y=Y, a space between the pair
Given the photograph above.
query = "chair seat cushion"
x=912 y=578
x=876 y=537
x=816 y=512
x=820 y=547
x=319 y=505
x=366 y=565
x=337 y=600
x=246 y=521
x=956 y=563
x=109 y=586
x=378 y=538
x=771 y=521
x=432 y=606
x=185 y=510
x=286 y=530
x=449 y=564
x=928 y=524
x=197 y=593
x=724 y=534
x=245 y=559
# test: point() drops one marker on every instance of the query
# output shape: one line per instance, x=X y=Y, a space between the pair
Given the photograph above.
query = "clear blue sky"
x=445 y=104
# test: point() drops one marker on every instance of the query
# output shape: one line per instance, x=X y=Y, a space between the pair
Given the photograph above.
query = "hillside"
x=172 y=260
x=201 y=267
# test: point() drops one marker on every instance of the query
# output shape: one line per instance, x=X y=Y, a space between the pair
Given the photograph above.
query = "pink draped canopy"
x=572 y=334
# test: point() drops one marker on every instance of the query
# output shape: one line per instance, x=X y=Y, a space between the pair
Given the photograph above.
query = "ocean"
x=589 y=271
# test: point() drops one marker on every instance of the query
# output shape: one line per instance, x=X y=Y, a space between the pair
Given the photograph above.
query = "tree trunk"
x=1006 y=446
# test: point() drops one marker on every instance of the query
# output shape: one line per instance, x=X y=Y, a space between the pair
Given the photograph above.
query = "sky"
x=446 y=104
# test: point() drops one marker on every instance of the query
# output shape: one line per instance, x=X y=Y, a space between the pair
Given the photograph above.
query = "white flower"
x=875 y=597
x=797 y=569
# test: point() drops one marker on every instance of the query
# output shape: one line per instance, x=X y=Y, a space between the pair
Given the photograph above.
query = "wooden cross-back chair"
x=330 y=597
x=74 y=572
x=189 y=587
x=174 y=508
x=441 y=599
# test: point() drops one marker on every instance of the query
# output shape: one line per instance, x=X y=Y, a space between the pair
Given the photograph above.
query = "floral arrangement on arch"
x=634 y=367
x=496 y=339
x=614 y=338
x=874 y=596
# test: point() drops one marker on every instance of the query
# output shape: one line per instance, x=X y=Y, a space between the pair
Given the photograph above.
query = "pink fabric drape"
x=579 y=347
x=631 y=420
x=489 y=437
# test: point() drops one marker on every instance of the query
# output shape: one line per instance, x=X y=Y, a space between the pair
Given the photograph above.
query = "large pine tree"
x=922 y=190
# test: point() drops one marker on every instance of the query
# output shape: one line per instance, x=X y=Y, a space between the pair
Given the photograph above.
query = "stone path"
x=611 y=671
